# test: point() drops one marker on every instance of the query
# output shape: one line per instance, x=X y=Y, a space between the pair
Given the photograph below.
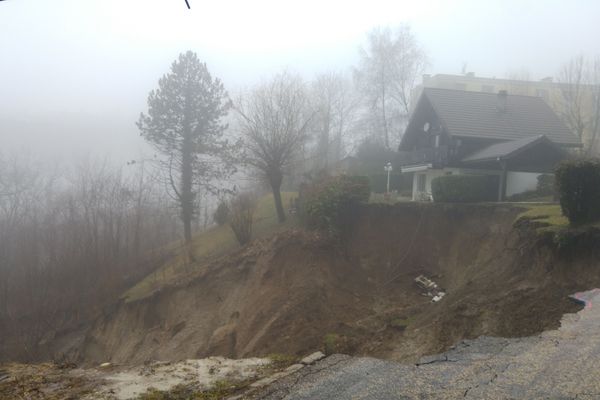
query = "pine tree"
x=185 y=125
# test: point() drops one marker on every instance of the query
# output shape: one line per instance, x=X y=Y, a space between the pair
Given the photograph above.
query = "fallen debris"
x=430 y=288
x=312 y=358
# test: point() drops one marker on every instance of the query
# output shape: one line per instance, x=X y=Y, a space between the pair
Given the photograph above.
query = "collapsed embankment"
x=299 y=291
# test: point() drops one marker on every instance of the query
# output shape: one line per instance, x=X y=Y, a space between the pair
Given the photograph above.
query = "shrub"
x=545 y=185
x=398 y=181
x=327 y=203
x=281 y=361
x=331 y=343
x=528 y=195
x=578 y=185
x=221 y=213
x=465 y=188
x=241 y=216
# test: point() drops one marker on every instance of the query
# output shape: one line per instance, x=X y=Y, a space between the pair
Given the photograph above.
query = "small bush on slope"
x=241 y=216
x=221 y=214
x=327 y=203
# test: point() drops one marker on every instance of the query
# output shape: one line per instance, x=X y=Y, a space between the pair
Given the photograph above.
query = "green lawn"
x=550 y=215
x=216 y=241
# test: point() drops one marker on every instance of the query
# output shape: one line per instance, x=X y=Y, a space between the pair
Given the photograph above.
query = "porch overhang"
x=416 y=167
x=535 y=154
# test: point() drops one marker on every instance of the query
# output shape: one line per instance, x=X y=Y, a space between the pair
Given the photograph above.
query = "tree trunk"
x=186 y=195
x=275 y=179
x=325 y=140
x=278 y=204
x=385 y=124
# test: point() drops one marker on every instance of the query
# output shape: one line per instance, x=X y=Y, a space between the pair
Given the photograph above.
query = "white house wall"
x=516 y=182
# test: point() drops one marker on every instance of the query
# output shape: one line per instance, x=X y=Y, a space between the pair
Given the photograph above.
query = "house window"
x=487 y=88
x=421 y=178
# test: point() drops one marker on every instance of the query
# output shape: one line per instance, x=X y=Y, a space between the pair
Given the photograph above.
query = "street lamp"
x=388 y=169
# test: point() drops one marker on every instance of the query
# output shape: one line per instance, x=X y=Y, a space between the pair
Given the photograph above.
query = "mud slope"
x=298 y=291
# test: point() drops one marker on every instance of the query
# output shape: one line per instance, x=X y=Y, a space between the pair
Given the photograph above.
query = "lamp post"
x=388 y=169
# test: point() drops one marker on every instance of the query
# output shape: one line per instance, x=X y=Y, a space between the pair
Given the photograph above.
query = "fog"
x=248 y=152
x=75 y=75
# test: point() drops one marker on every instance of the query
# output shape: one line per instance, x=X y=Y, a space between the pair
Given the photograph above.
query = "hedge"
x=465 y=188
x=398 y=181
x=327 y=203
x=578 y=185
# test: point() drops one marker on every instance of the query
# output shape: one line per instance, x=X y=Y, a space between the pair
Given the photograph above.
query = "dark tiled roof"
x=476 y=114
x=505 y=149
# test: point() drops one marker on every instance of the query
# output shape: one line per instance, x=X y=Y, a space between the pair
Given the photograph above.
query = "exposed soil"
x=299 y=291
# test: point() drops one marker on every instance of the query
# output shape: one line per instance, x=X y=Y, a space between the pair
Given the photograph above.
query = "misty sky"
x=75 y=74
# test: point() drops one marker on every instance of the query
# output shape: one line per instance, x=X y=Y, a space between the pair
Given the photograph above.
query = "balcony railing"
x=432 y=155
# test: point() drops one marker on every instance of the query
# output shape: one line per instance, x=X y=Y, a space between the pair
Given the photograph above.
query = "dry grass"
x=219 y=391
x=215 y=242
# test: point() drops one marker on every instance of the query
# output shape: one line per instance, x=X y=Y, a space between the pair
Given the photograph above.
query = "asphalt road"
x=559 y=364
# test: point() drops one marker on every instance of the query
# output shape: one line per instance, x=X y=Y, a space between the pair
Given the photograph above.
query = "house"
x=556 y=94
x=461 y=132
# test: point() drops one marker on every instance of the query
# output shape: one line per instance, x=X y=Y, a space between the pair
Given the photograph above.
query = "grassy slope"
x=215 y=242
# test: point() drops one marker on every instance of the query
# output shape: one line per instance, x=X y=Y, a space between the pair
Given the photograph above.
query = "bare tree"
x=390 y=66
x=594 y=120
x=274 y=119
x=335 y=104
x=70 y=243
x=184 y=123
x=580 y=99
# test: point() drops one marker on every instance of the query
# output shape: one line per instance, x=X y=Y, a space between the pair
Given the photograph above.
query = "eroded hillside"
x=299 y=291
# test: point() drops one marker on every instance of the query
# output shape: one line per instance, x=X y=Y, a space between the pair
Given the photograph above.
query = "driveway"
x=559 y=364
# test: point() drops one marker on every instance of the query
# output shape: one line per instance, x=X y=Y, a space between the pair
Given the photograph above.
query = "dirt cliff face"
x=502 y=279
x=300 y=291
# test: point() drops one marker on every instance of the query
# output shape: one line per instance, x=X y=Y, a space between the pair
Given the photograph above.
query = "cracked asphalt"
x=559 y=364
